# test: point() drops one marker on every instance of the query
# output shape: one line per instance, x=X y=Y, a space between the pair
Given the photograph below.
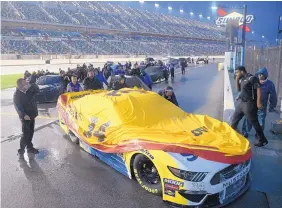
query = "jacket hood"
x=262 y=71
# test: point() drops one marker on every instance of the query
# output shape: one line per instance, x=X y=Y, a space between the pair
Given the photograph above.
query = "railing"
x=270 y=58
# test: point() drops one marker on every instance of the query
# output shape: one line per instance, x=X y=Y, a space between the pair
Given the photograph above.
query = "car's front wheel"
x=147 y=174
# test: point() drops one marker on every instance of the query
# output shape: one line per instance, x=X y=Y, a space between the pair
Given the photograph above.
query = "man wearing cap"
x=91 y=82
x=74 y=86
x=168 y=93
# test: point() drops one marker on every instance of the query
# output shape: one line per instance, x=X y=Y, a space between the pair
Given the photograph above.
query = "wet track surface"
x=63 y=175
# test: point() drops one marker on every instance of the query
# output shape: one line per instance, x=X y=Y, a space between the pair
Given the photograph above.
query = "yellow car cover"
x=133 y=119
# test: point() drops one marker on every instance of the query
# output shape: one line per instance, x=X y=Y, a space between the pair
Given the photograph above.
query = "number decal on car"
x=199 y=131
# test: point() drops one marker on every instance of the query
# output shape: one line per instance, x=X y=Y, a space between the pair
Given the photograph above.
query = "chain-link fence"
x=270 y=58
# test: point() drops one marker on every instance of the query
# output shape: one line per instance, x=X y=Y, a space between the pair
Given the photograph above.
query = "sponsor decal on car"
x=173 y=182
x=236 y=178
x=169 y=192
x=171 y=187
x=198 y=186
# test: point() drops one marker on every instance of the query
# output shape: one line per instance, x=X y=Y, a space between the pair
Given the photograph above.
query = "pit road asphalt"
x=63 y=175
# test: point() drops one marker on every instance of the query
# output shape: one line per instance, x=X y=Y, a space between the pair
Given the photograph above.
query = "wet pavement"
x=63 y=175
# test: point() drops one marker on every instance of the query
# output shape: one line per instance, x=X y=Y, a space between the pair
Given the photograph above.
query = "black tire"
x=141 y=162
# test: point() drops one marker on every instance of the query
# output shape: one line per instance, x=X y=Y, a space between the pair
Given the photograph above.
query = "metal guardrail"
x=270 y=58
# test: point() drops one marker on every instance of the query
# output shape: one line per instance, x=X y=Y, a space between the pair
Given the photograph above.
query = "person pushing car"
x=168 y=93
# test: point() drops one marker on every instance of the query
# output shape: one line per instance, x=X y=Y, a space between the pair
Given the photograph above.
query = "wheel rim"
x=149 y=172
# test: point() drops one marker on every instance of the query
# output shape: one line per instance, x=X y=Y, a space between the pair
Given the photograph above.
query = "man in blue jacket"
x=100 y=76
x=145 y=77
x=268 y=93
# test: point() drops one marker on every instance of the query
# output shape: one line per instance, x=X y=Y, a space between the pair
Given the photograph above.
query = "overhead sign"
x=224 y=17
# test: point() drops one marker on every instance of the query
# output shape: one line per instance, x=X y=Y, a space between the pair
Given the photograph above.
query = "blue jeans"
x=247 y=126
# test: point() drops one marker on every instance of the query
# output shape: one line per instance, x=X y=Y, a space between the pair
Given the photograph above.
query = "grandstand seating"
x=106 y=15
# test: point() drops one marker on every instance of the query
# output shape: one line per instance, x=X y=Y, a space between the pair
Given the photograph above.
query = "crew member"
x=171 y=68
x=92 y=82
x=120 y=84
x=249 y=103
x=183 y=65
x=26 y=107
x=168 y=93
x=74 y=86
x=145 y=77
x=268 y=93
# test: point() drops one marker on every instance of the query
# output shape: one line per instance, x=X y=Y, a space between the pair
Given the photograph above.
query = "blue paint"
x=113 y=160
x=189 y=157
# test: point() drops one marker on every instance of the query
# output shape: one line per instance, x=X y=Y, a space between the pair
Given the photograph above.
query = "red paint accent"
x=206 y=154
x=247 y=29
x=64 y=99
x=221 y=12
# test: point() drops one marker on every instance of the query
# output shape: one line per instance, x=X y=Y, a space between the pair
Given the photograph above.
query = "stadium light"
x=191 y=13
x=214 y=7
x=169 y=8
x=262 y=36
x=200 y=15
x=253 y=32
x=141 y=2
x=208 y=18
x=157 y=5
x=181 y=10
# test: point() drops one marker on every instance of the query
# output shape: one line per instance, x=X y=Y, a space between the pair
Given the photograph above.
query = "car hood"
x=129 y=120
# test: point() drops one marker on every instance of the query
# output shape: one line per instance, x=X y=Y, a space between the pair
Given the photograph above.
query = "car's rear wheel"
x=147 y=174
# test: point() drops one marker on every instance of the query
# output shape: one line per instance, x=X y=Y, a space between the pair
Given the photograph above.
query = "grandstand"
x=102 y=28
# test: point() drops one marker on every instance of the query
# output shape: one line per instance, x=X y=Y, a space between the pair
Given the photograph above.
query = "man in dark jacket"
x=120 y=84
x=168 y=93
x=91 y=82
x=268 y=94
x=26 y=107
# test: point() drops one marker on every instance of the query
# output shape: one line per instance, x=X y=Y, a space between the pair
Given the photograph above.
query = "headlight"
x=188 y=175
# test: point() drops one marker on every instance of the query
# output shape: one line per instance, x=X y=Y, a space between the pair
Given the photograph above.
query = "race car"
x=50 y=88
x=189 y=160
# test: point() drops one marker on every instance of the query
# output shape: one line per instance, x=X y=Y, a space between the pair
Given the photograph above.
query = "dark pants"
x=250 y=110
x=172 y=73
x=28 y=131
x=247 y=126
x=183 y=70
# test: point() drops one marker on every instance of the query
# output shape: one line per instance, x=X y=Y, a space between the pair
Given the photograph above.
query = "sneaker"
x=261 y=144
x=33 y=150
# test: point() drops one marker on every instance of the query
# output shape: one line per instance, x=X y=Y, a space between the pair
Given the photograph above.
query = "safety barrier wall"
x=19 y=66
x=229 y=106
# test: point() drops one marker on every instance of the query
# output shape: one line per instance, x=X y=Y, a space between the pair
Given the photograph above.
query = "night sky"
x=266 y=14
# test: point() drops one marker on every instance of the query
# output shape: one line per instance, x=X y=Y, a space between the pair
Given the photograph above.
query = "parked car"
x=50 y=88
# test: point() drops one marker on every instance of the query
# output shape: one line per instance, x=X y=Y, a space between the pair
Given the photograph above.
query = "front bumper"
x=204 y=194
x=212 y=200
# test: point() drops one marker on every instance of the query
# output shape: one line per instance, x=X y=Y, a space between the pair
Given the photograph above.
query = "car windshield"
x=131 y=82
x=49 y=80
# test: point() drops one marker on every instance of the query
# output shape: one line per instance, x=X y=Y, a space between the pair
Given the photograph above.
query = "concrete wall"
x=229 y=106
x=19 y=66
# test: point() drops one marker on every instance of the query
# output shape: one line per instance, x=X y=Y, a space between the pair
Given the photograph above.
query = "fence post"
x=279 y=74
